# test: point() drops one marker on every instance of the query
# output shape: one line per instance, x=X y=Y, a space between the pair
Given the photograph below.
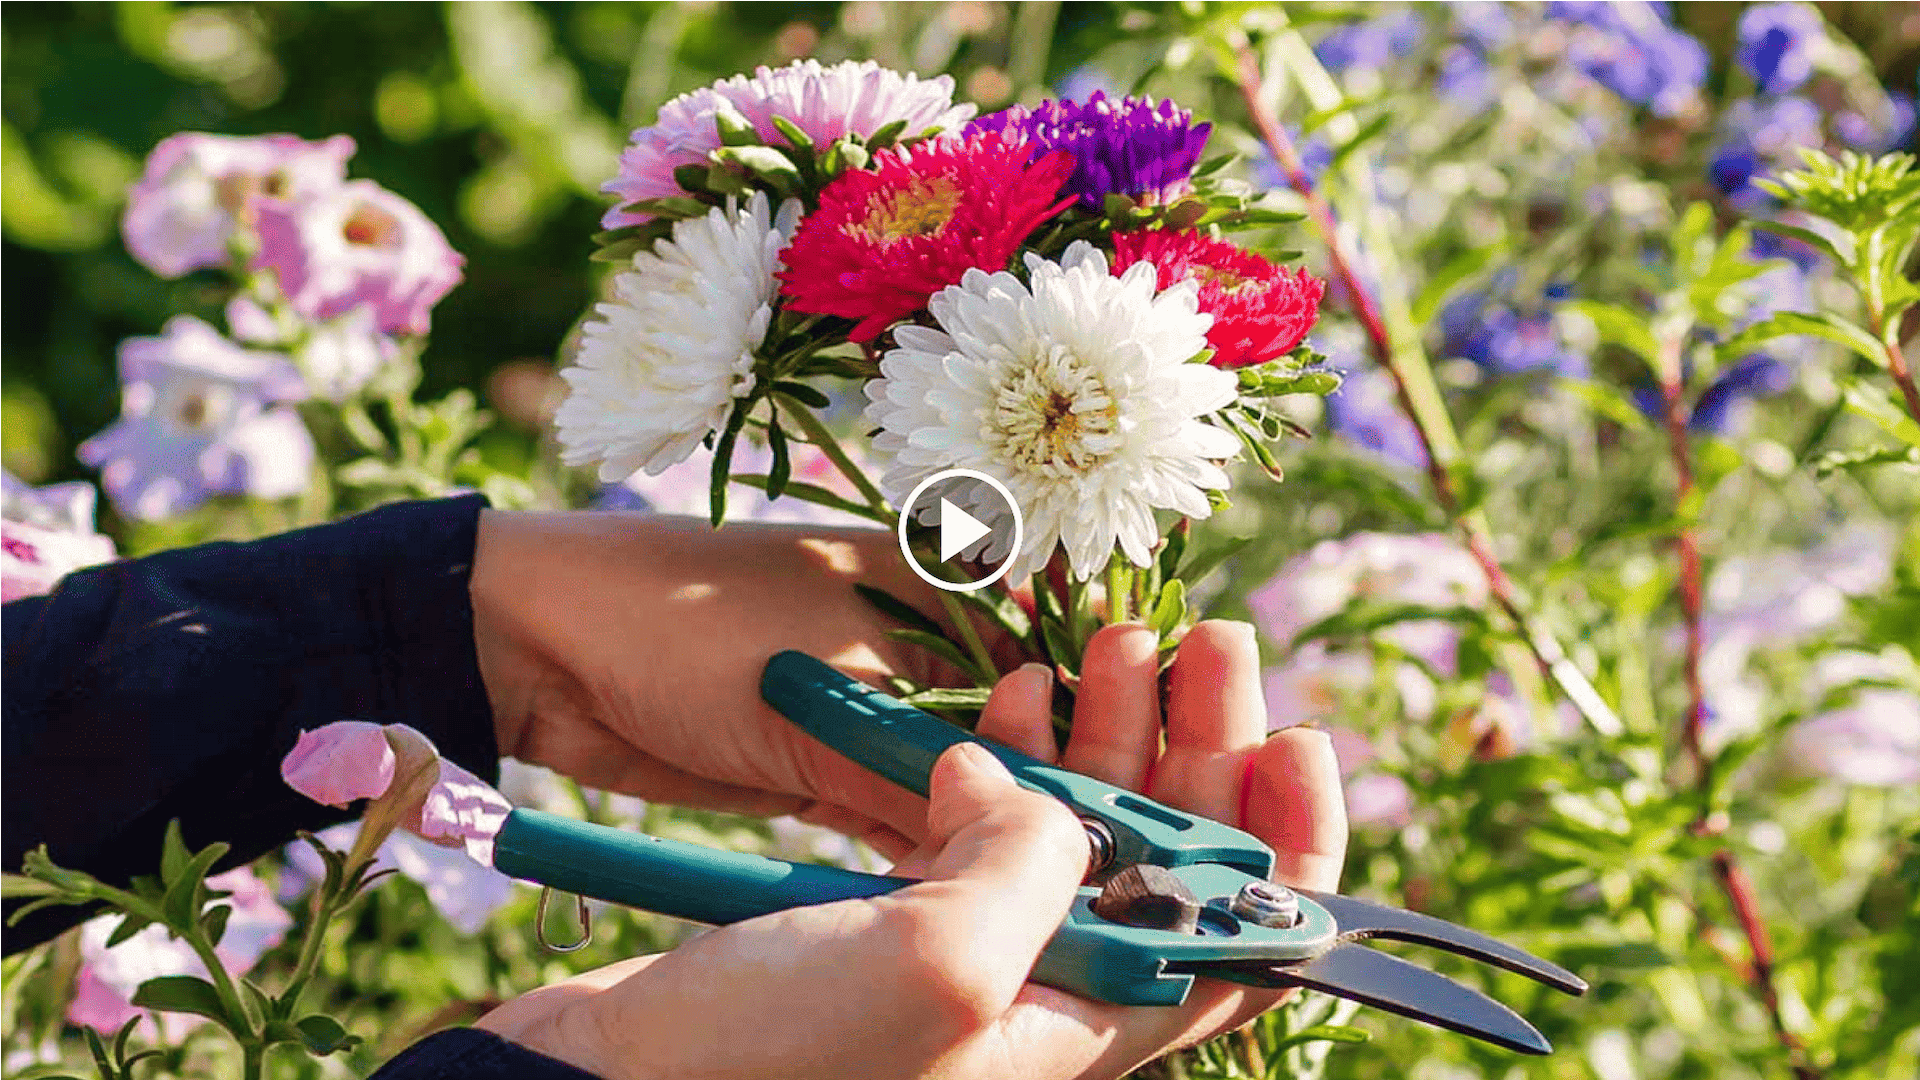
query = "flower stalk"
x=1419 y=398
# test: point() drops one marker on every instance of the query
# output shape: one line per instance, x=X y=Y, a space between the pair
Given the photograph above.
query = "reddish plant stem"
x=1727 y=872
x=1546 y=651
x=1903 y=377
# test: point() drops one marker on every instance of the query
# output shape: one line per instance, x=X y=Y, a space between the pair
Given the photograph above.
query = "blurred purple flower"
x=1120 y=146
x=45 y=534
x=1873 y=741
x=462 y=890
x=1631 y=49
x=1502 y=341
x=1083 y=82
x=1778 y=43
x=198 y=189
x=1890 y=128
x=1751 y=377
x=1366 y=412
x=1371 y=44
x=337 y=357
x=1427 y=569
x=200 y=416
x=358 y=244
x=103 y=991
x=1757 y=135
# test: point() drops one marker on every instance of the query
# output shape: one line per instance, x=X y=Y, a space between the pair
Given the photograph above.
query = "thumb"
x=1009 y=857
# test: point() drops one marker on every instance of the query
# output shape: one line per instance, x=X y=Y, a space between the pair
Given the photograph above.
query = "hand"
x=625 y=650
x=929 y=981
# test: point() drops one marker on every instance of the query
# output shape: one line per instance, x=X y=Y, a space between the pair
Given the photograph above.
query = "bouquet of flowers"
x=1045 y=296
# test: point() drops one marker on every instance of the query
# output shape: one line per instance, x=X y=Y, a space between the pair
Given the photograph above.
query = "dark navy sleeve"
x=472 y=1054
x=171 y=686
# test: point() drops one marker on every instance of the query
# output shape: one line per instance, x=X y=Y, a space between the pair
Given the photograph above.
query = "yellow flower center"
x=1228 y=281
x=922 y=208
x=1055 y=416
x=370 y=226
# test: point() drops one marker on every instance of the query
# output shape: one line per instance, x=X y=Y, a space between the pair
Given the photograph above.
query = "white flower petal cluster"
x=1075 y=391
x=662 y=362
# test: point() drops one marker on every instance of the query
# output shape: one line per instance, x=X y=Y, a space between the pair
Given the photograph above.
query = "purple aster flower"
x=1372 y=44
x=1503 y=341
x=1632 y=50
x=1777 y=44
x=359 y=244
x=200 y=416
x=1120 y=146
x=1485 y=27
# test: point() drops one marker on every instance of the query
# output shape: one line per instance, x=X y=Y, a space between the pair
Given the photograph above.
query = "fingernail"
x=1042 y=670
x=977 y=757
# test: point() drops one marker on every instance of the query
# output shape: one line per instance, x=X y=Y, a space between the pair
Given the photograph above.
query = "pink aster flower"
x=358 y=244
x=200 y=416
x=1260 y=311
x=1430 y=569
x=198 y=189
x=885 y=241
x=108 y=977
x=828 y=103
x=45 y=534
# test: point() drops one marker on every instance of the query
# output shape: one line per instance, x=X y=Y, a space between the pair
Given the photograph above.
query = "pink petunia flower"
x=45 y=534
x=103 y=991
x=200 y=416
x=358 y=244
x=827 y=103
x=353 y=759
x=198 y=190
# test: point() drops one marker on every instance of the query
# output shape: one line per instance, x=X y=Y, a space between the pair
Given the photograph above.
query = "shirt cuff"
x=473 y=1054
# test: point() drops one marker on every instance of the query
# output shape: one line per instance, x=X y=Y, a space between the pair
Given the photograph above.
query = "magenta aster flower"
x=198 y=189
x=828 y=103
x=884 y=241
x=358 y=244
x=200 y=416
x=1120 y=146
x=1259 y=310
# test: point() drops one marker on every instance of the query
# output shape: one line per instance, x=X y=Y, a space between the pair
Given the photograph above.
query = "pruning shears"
x=1169 y=896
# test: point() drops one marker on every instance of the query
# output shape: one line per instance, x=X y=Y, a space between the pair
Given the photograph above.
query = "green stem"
x=820 y=436
x=253 y=1062
x=1119 y=587
x=969 y=634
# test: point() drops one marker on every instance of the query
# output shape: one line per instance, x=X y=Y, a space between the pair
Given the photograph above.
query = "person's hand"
x=929 y=981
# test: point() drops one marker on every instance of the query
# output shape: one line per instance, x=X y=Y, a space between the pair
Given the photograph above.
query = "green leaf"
x=1257 y=383
x=1373 y=130
x=811 y=493
x=673 y=207
x=324 y=1035
x=16 y=885
x=1458 y=270
x=898 y=610
x=1366 y=615
x=173 y=853
x=183 y=993
x=1876 y=405
x=1832 y=327
x=1849 y=460
x=188 y=891
x=1608 y=401
x=885 y=136
x=764 y=162
x=945 y=649
x=1203 y=559
x=691 y=178
x=1333 y=1033
x=781 y=471
x=723 y=462
x=98 y=1049
x=214 y=922
x=120 y=1040
x=796 y=138
x=1170 y=609
x=733 y=128
x=130 y=925
x=844 y=154
x=955 y=698
x=1808 y=237
x=801 y=392
x=1617 y=325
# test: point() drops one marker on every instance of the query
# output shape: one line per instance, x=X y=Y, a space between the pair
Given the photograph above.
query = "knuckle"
x=940 y=976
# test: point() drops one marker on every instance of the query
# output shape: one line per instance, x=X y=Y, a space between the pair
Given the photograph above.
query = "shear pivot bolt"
x=1264 y=903
x=1149 y=896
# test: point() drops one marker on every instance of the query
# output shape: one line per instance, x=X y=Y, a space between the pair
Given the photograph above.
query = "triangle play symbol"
x=958 y=530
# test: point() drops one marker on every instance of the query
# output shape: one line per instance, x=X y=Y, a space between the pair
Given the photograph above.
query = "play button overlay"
x=974 y=518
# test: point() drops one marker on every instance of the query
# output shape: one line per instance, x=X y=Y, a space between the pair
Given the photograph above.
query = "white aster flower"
x=661 y=364
x=1076 y=393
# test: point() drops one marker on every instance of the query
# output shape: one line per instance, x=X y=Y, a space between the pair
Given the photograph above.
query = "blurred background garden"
x=1578 y=367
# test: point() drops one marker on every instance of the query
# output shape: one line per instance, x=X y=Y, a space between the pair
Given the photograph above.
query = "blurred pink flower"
x=1428 y=569
x=1874 y=741
x=103 y=992
x=336 y=357
x=459 y=888
x=827 y=103
x=45 y=534
x=358 y=244
x=200 y=416
x=339 y=763
x=354 y=759
x=1379 y=799
x=197 y=189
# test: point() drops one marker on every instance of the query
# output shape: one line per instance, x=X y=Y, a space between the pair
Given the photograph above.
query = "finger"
x=1019 y=713
x=1294 y=803
x=1216 y=718
x=1011 y=859
x=1116 y=719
